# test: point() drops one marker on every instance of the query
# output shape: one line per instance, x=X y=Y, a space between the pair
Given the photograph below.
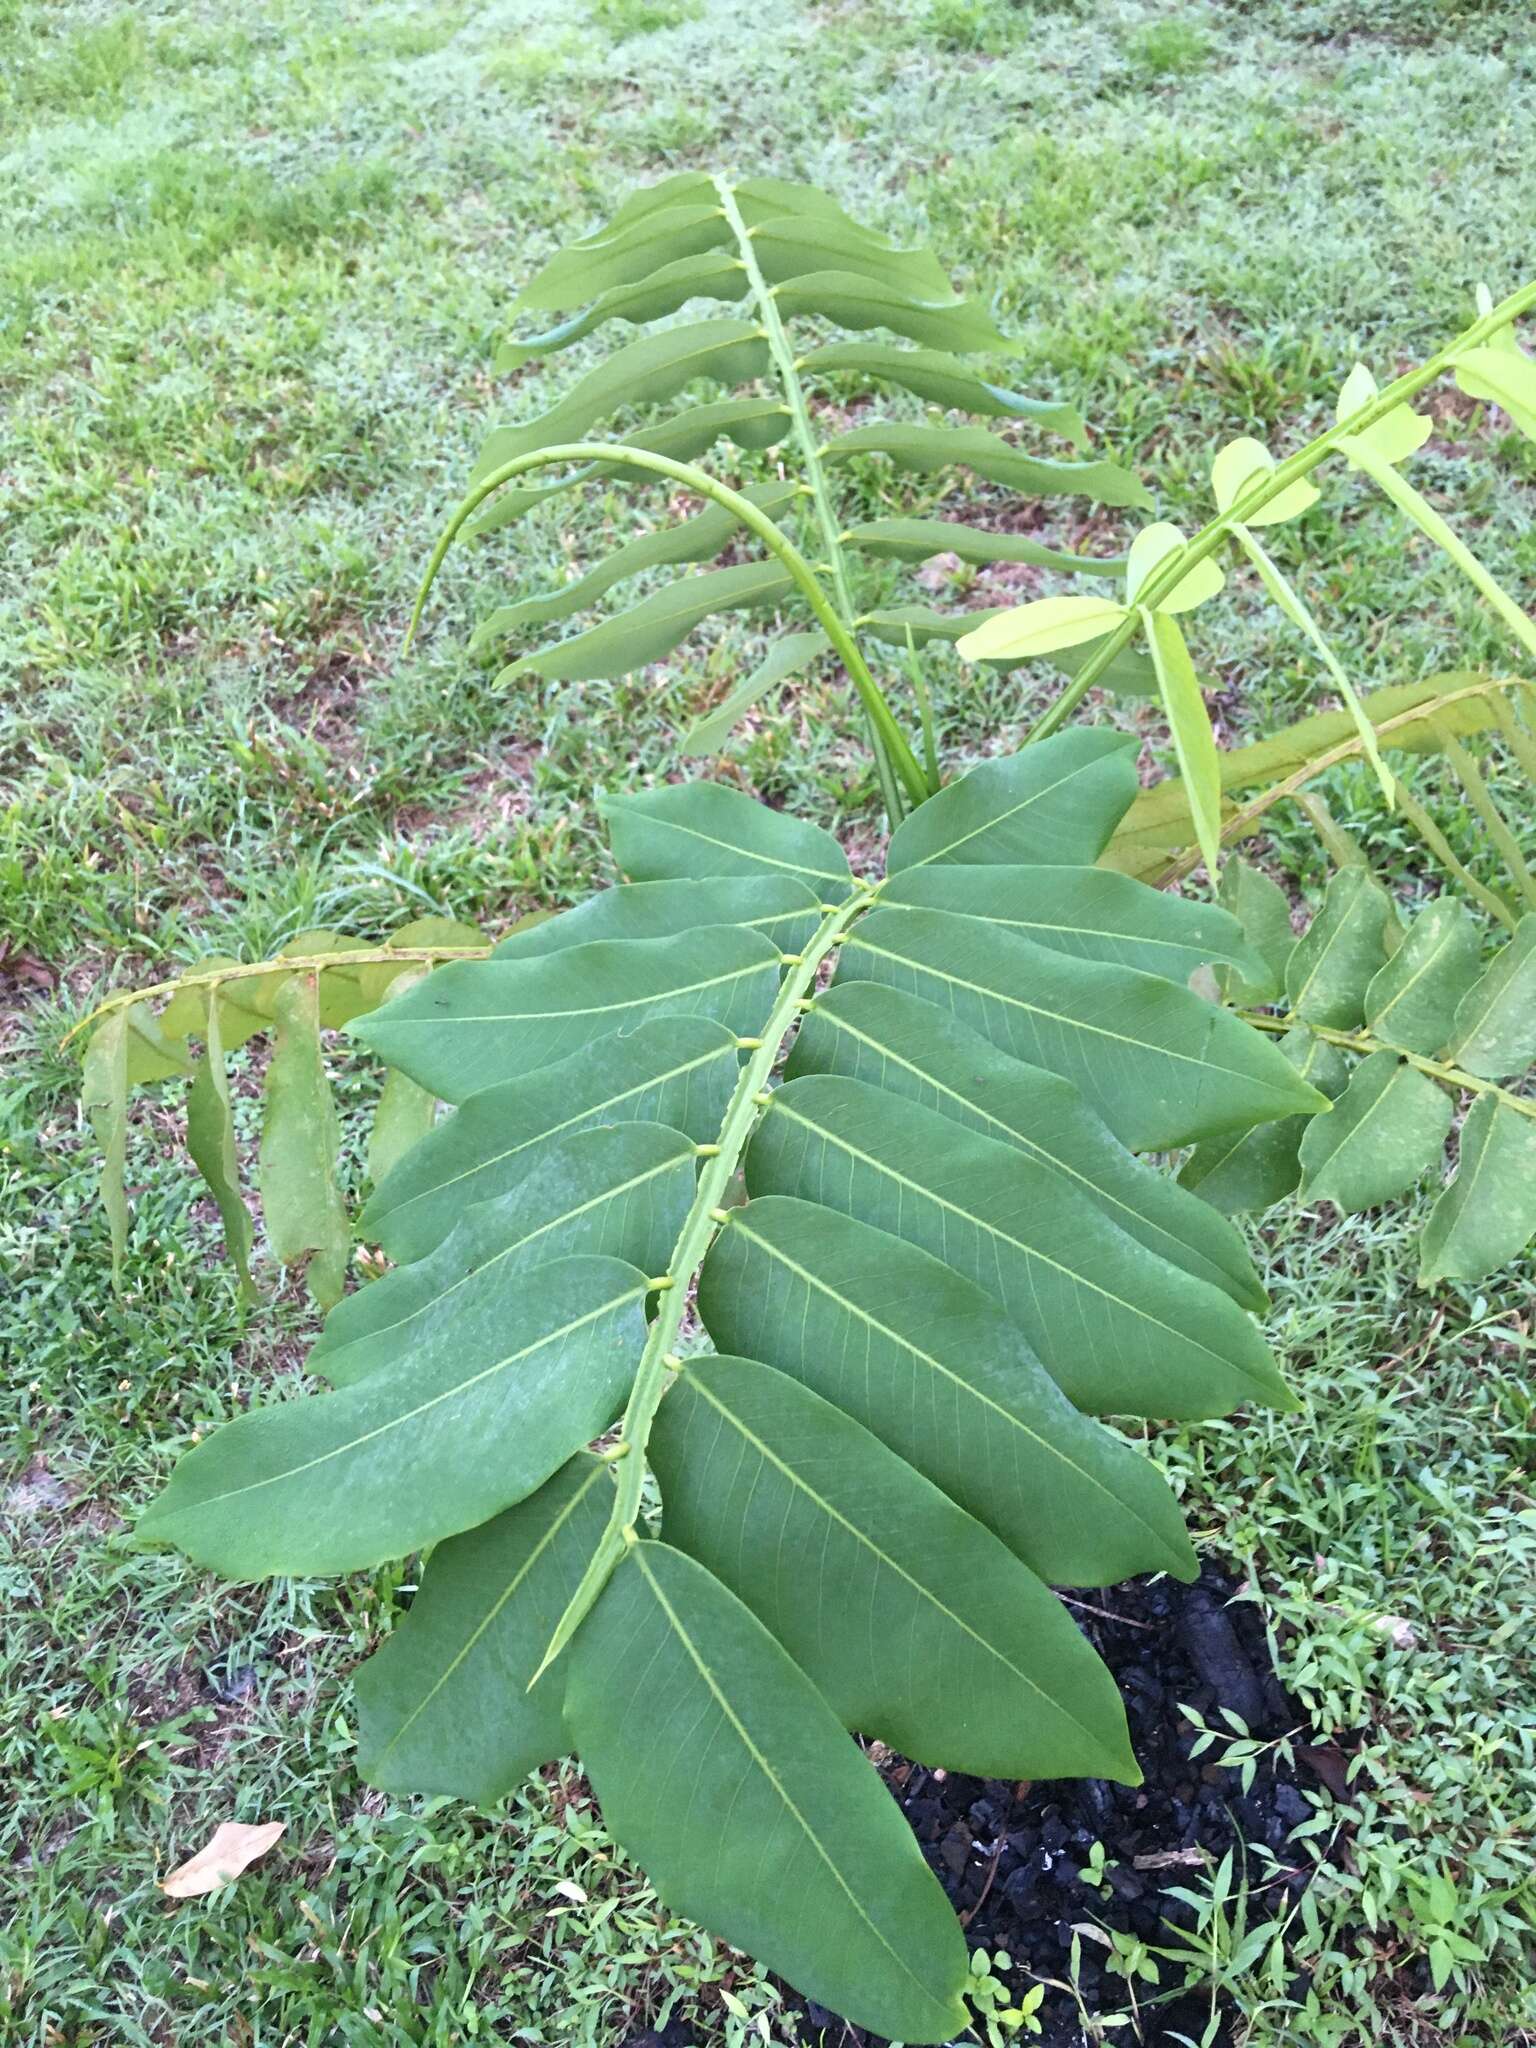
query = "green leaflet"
x=1160 y=1065
x=693 y=540
x=420 y=1449
x=783 y=908
x=211 y=1142
x=1385 y=1131
x=306 y=1218
x=644 y=372
x=1506 y=375
x=623 y=255
x=860 y=302
x=1129 y=671
x=919 y=540
x=1119 y=1330
x=1332 y=966
x=1495 y=1030
x=713 y=274
x=797 y=245
x=674 y=1070
x=1190 y=724
x=1411 y=1002
x=912 y=1620
x=654 y=626
x=929 y=1362
x=910 y=1048
x=696 y=829
x=936 y=448
x=1487 y=1215
x=471 y=1025
x=685 y=1710
x=1039 y=805
x=943 y=380
x=404 y=1116
x=620 y=1190
x=1263 y=910
x=444 y=1706
x=1253 y=1169
x=1092 y=913
x=790 y=656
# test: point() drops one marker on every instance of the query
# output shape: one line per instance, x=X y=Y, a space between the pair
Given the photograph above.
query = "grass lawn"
x=255 y=266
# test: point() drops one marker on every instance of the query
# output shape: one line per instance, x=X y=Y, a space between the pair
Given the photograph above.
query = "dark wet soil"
x=1015 y=1858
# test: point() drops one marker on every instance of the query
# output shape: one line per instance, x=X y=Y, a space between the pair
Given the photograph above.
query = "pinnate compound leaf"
x=674 y=1070
x=417 y=1450
x=1384 y=1133
x=1487 y=1215
x=791 y=656
x=1344 y=947
x=211 y=1142
x=943 y=380
x=687 y=830
x=928 y=1361
x=913 y=1621
x=1190 y=724
x=1154 y=547
x=1495 y=1028
x=653 y=627
x=937 y=448
x=1245 y=462
x=910 y=1048
x=306 y=1217
x=444 y=1706
x=1243 y=1171
x=1411 y=1002
x=685 y=1710
x=1041 y=805
x=1263 y=910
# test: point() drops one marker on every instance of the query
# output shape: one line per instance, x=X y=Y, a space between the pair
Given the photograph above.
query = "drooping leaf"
x=1166 y=1343
x=928 y=1361
x=1152 y=549
x=943 y=380
x=653 y=627
x=211 y=1142
x=1035 y=806
x=861 y=302
x=908 y=1046
x=697 y=829
x=713 y=274
x=938 y=448
x=413 y=1453
x=1243 y=1171
x=462 y=1031
x=791 y=656
x=306 y=1217
x=677 y=1071
x=1411 y=1002
x=913 y=1621
x=799 y=245
x=1487 y=1215
x=1263 y=910
x=404 y=1116
x=1333 y=963
x=1495 y=1027
x=445 y=1705
x=1189 y=722
x=685 y=1710
x=1384 y=1133
x=919 y=540
x=1092 y=913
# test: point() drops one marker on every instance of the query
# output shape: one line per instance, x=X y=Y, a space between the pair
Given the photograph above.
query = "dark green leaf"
x=1249 y=1170
x=1487 y=1216
x=860 y=302
x=624 y=255
x=1263 y=910
x=1052 y=803
x=798 y=244
x=1384 y=1133
x=694 y=829
x=1495 y=1030
x=781 y=907
x=1411 y=1002
x=937 y=448
x=714 y=274
x=790 y=656
x=943 y=380
x=654 y=626
x=919 y=540
x=1331 y=967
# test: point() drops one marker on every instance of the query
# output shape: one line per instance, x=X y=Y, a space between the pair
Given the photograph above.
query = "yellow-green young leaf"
x=1411 y=1002
x=1507 y=376
x=211 y=1142
x=306 y=1218
x=104 y=1097
x=1263 y=910
x=1385 y=1132
x=1394 y=437
x=1487 y=1216
x=1243 y=1171
x=1190 y=723
x=1035 y=629
x=1246 y=462
x=1495 y=1030
x=728 y=1778
x=1152 y=548
x=1345 y=945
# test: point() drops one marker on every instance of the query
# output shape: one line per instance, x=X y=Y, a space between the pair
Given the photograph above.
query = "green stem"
x=749 y=515
x=693 y=1241
x=827 y=521
x=1260 y=493
x=1363 y=1042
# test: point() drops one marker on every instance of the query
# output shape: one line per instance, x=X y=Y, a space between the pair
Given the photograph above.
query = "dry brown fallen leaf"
x=227 y=1852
